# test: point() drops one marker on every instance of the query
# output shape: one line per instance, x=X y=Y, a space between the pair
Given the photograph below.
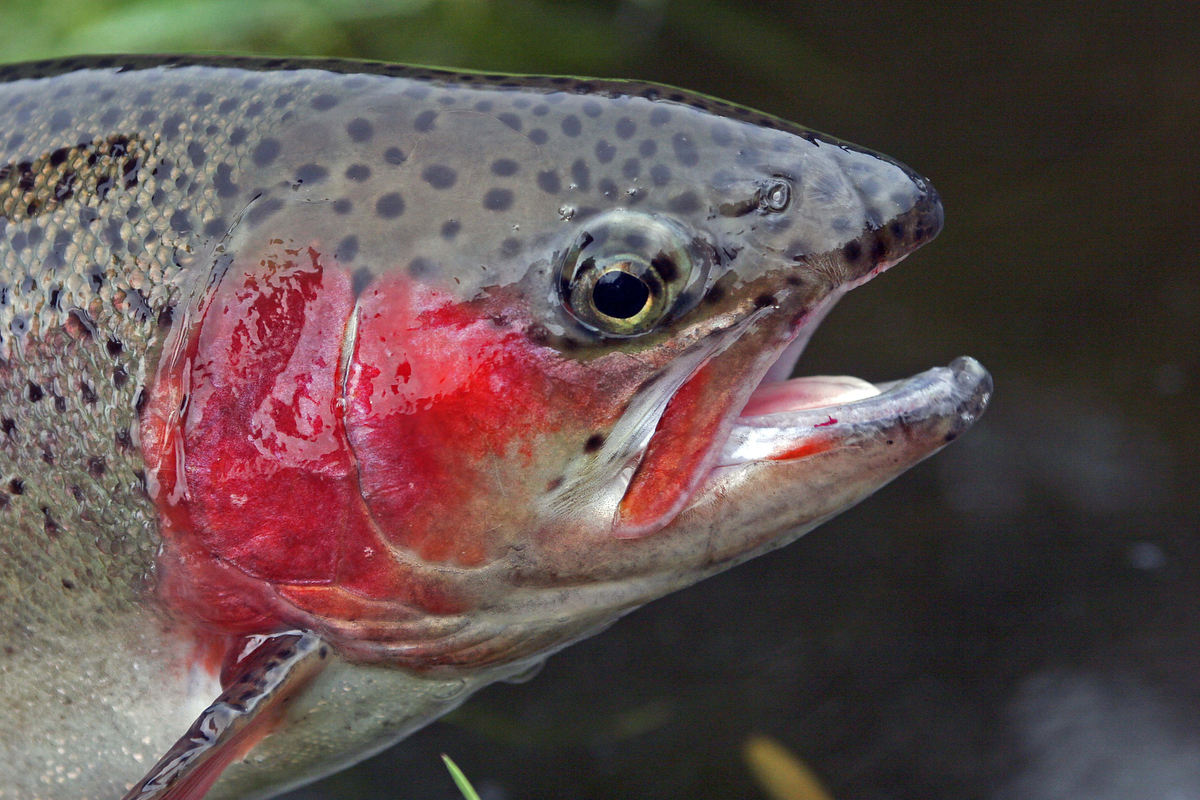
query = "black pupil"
x=620 y=295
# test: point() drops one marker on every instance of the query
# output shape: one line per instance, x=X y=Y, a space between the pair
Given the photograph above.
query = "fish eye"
x=775 y=195
x=620 y=294
x=625 y=272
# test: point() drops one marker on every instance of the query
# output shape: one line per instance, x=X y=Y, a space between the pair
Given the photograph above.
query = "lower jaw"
x=802 y=416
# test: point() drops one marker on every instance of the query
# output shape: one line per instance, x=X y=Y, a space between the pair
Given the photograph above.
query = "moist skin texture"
x=290 y=345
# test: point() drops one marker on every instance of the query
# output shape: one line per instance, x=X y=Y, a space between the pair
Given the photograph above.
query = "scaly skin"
x=308 y=345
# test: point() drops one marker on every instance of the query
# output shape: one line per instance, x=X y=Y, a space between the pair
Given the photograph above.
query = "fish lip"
x=949 y=398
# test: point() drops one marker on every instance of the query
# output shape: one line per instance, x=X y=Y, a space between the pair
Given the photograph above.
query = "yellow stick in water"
x=780 y=774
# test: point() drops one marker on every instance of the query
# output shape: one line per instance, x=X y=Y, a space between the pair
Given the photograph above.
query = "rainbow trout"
x=331 y=392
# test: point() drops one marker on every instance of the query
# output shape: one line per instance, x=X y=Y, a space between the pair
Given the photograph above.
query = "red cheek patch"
x=444 y=410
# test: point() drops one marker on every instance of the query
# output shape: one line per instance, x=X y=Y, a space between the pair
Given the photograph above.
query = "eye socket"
x=775 y=196
x=625 y=272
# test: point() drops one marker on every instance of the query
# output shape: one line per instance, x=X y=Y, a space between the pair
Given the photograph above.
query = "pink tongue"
x=816 y=391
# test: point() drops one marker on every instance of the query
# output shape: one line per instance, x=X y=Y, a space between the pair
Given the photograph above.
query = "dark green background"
x=1016 y=618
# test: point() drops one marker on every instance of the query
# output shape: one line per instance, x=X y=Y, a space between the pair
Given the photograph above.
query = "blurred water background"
x=1016 y=619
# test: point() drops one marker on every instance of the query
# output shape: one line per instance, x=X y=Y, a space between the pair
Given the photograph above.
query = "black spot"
x=394 y=155
x=592 y=108
x=284 y=99
x=266 y=152
x=89 y=396
x=171 y=125
x=48 y=523
x=852 y=251
x=361 y=279
x=606 y=187
x=179 y=221
x=950 y=437
x=685 y=149
x=389 y=206
x=120 y=377
x=631 y=168
x=311 y=173
x=342 y=206
x=571 y=126
x=764 y=301
x=439 y=176
x=47 y=456
x=139 y=405
x=8 y=426
x=879 y=249
x=196 y=153
x=686 y=203
x=259 y=212
x=358 y=172
x=424 y=121
x=347 y=249
x=897 y=229
x=237 y=136
x=625 y=128
x=166 y=316
x=60 y=403
x=716 y=294
x=660 y=174
x=359 y=129
x=721 y=135
x=16 y=486
x=59 y=120
x=548 y=181
x=114 y=347
x=123 y=440
x=484 y=106
x=216 y=227
x=554 y=484
x=228 y=106
x=538 y=136
x=324 y=102
x=96 y=466
x=68 y=583
x=505 y=167
x=511 y=120
x=35 y=393
x=605 y=151
x=660 y=116
x=510 y=247
x=593 y=443
x=222 y=181
x=665 y=266
x=647 y=148
x=420 y=267
x=498 y=199
x=580 y=175
x=450 y=228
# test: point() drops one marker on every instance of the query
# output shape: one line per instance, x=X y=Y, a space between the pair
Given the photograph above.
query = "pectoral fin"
x=265 y=680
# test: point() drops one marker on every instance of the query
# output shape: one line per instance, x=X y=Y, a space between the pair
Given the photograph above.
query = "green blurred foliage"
x=735 y=44
x=485 y=33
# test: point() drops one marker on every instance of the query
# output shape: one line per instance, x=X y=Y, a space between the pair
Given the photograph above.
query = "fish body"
x=333 y=391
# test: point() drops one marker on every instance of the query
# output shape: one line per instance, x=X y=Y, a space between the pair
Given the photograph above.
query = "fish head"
x=482 y=404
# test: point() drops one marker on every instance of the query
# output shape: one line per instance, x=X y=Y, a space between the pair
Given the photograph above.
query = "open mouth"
x=784 y=420
x=805 y=416
x=792 y=418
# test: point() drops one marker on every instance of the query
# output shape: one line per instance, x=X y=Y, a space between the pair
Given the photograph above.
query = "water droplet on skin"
x=449 y=690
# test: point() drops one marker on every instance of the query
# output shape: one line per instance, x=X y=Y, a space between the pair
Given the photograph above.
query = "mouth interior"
x=777 y=394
